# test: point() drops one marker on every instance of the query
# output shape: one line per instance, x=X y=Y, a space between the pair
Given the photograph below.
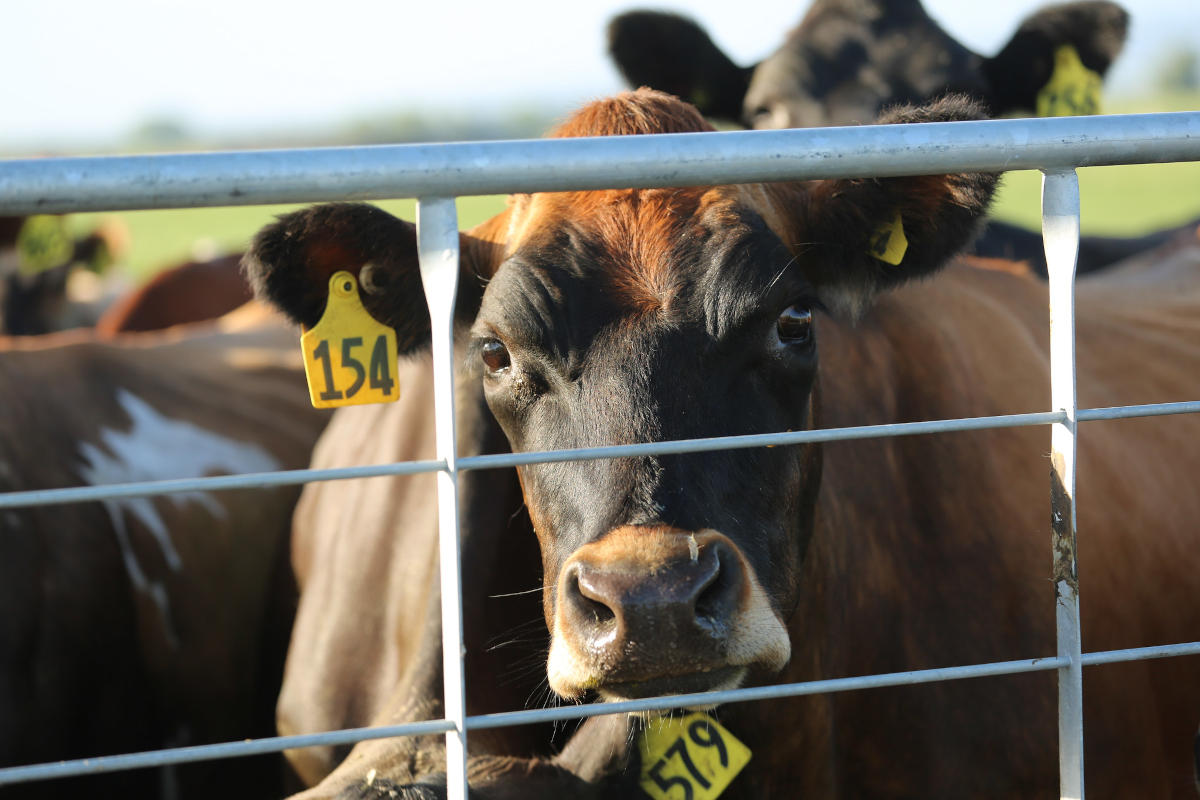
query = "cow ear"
x=857 y=237
x=290 y=262
x=1015 y=75
x=673 y=54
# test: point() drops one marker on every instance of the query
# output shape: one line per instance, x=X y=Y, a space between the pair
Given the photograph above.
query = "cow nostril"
x=588 y=601
x=717 y=597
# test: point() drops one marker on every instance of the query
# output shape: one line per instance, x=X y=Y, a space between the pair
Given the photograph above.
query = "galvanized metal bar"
x=157 y=758
x=437 y=247
x=203 y=752
x=1141 y=653
x=55 y=185
x=247 y=480
x=85 y=494
x=1060 y=230
x=1147 y=410
x=210 y=752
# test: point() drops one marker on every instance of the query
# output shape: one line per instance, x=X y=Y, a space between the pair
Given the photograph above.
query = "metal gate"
x=436 y=174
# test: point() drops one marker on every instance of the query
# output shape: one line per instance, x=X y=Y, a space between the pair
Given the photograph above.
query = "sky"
x=88 y=71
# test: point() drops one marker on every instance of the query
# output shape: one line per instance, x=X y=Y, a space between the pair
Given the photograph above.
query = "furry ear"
x=1015 y=75
x=673 y=54
x=847 y=230
x=290 y=262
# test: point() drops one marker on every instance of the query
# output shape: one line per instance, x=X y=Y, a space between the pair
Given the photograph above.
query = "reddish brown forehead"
x=641 y=239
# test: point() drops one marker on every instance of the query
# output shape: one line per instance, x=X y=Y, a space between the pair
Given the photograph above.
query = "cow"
x=849 y=59
x=37 y=301
x=611 y=317
x=136 y=623
x=194 y=291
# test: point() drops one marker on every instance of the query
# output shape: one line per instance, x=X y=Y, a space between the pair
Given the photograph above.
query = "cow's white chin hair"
x=734 y=682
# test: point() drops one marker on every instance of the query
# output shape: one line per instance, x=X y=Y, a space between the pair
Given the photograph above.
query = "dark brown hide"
x=136 y=624
x=617 y=316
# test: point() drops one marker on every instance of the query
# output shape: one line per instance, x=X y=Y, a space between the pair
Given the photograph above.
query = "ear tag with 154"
x=349 y=356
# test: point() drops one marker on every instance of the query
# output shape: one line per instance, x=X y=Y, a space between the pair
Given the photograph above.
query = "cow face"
x=628 y=316
x=850 y=59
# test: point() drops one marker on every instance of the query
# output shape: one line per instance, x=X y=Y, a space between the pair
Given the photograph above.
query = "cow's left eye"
x=495 y=355
x=794 y=325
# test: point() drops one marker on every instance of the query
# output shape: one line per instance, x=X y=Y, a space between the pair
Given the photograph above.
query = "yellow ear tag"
x=689 y=758
x=1072 y=91
x=888 y=243
x=349 y=357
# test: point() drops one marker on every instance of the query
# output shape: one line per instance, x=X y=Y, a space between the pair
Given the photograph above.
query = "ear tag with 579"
x=349 y=356
x=689 y=758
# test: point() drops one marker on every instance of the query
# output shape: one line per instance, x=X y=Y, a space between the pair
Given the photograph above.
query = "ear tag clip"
x=888 y=243
x=349 y=356
x=1072 y=91
x=691 y=757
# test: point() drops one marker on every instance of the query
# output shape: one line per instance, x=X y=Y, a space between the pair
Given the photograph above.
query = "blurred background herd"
x=144 y=76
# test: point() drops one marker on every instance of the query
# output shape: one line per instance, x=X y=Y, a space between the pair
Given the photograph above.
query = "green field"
x=1122 y=200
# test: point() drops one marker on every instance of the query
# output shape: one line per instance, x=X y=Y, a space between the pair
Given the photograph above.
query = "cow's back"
x=142 y=622
x=914 y=565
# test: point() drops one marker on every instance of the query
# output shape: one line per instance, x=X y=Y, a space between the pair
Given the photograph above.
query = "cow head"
x=849 y=59
x=613 y=317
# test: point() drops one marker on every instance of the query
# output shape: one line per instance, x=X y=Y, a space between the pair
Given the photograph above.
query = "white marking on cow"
x=156 y=447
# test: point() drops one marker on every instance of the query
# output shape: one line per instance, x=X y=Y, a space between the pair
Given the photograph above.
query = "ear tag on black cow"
x=689 y=758
x=349 y=356
x=1073 y=90
x=888 y=242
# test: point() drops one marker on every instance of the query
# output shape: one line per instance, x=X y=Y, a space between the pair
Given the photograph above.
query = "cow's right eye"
x=495 y=355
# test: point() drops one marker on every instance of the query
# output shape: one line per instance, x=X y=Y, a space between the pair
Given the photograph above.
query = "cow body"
x=194 y=291
x=132 y=624
x=622 y=316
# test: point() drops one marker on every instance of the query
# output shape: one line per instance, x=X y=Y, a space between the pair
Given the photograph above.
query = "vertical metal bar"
x=1060 y=232
x=437 y=246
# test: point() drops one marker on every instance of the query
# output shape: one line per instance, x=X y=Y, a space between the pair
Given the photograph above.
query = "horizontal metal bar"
x=54 y=185
x=763 y=440
x=257 y=480
x=210 y=752
x=774 y=692
x=273 y=744
x=1148 y=410
x=1141 y=654
x=83 y=494
x=248 y=480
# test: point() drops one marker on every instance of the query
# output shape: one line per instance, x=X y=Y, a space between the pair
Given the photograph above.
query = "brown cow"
x=620 y=316
x=132 y=624
x=190 y=292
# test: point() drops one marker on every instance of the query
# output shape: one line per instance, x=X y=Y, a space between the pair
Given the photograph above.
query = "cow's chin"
x=716 y=680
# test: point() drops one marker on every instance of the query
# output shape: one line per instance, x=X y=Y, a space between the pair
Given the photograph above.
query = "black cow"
x=848 y=60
